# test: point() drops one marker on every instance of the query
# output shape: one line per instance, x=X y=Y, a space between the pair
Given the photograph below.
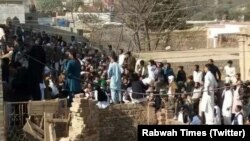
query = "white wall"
x=244 y=54
x=45 y=21
x=88 y=2
x=213 y=32
x=26 y=5
x=104 y=17
x=227 y=29
x=12 y=10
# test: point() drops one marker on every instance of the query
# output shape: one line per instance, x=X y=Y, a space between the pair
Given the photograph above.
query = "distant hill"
x=219 y=9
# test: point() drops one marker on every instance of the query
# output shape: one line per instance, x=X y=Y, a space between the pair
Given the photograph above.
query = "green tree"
x=206 y=10
x=49 y=5
x=246 y=12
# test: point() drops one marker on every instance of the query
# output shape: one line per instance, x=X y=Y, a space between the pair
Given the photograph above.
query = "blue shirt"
x=114 y=73
x=73 y=71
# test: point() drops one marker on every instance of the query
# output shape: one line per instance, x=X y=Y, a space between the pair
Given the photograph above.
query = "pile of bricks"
x=84 y=120
x=161 y=117
x=76 y=133
x=89 y=123
x=165 y=117
x=169 y=113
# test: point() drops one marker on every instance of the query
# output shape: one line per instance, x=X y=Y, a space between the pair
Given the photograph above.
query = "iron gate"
x=15 y=114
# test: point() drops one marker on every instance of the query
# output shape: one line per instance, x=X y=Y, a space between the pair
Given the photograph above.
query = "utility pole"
x=72 y=10
x=244 y=60
x=243 y=55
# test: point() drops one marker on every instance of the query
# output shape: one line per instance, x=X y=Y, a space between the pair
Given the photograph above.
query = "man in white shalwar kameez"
x=217 y=115
x=152 y=73
x=121 y=58
x=230 y=72
x=227 y=96
x=208 y=96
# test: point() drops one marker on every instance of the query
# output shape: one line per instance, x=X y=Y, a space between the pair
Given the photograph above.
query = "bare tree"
x=147 y=16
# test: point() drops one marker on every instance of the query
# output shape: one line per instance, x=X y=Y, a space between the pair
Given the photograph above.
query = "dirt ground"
x=192 y=55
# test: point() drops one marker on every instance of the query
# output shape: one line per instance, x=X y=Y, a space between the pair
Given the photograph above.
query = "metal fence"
x=15 y=114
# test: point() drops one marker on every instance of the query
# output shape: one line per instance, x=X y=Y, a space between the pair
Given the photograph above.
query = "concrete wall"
x=12 y=10
x=189 y=66
x=102 y=17
x=45 y=21
x=244 y=49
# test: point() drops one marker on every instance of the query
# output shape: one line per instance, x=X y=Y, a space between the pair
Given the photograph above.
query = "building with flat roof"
x=18 y=9
x=9 y=9
x=215 y=31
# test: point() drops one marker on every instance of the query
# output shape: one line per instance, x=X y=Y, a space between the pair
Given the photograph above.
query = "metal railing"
x=15 y=114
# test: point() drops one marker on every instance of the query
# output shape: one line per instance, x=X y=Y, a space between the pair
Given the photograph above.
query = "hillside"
x=217 y=9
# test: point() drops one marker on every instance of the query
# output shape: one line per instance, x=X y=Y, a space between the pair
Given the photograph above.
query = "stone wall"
x=124 y=38
x=117 y=122
x=228 y=40
x=117 y=36
x=183 y=40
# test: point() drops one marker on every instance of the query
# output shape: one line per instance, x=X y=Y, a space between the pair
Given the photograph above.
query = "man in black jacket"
x=19 y=84
x=37 y=61
x=137 y=87
x=181 y=75
x=215 y=70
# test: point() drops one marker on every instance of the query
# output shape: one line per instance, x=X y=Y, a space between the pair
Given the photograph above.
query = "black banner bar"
x=207 y=132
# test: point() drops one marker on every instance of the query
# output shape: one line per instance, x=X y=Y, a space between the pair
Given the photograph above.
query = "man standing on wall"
x=131 y=61
x=230 y=72
x=111 y=52
x=208 y=96
x=114 y=74
x=122 y=57
x=214 y=70
x=227 y=97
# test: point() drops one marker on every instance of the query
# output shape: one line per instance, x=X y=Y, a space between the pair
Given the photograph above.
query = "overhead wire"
x=212 y=51
x=123 y=90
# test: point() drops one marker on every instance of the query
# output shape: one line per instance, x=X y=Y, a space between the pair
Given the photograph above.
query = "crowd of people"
x=38 y=66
